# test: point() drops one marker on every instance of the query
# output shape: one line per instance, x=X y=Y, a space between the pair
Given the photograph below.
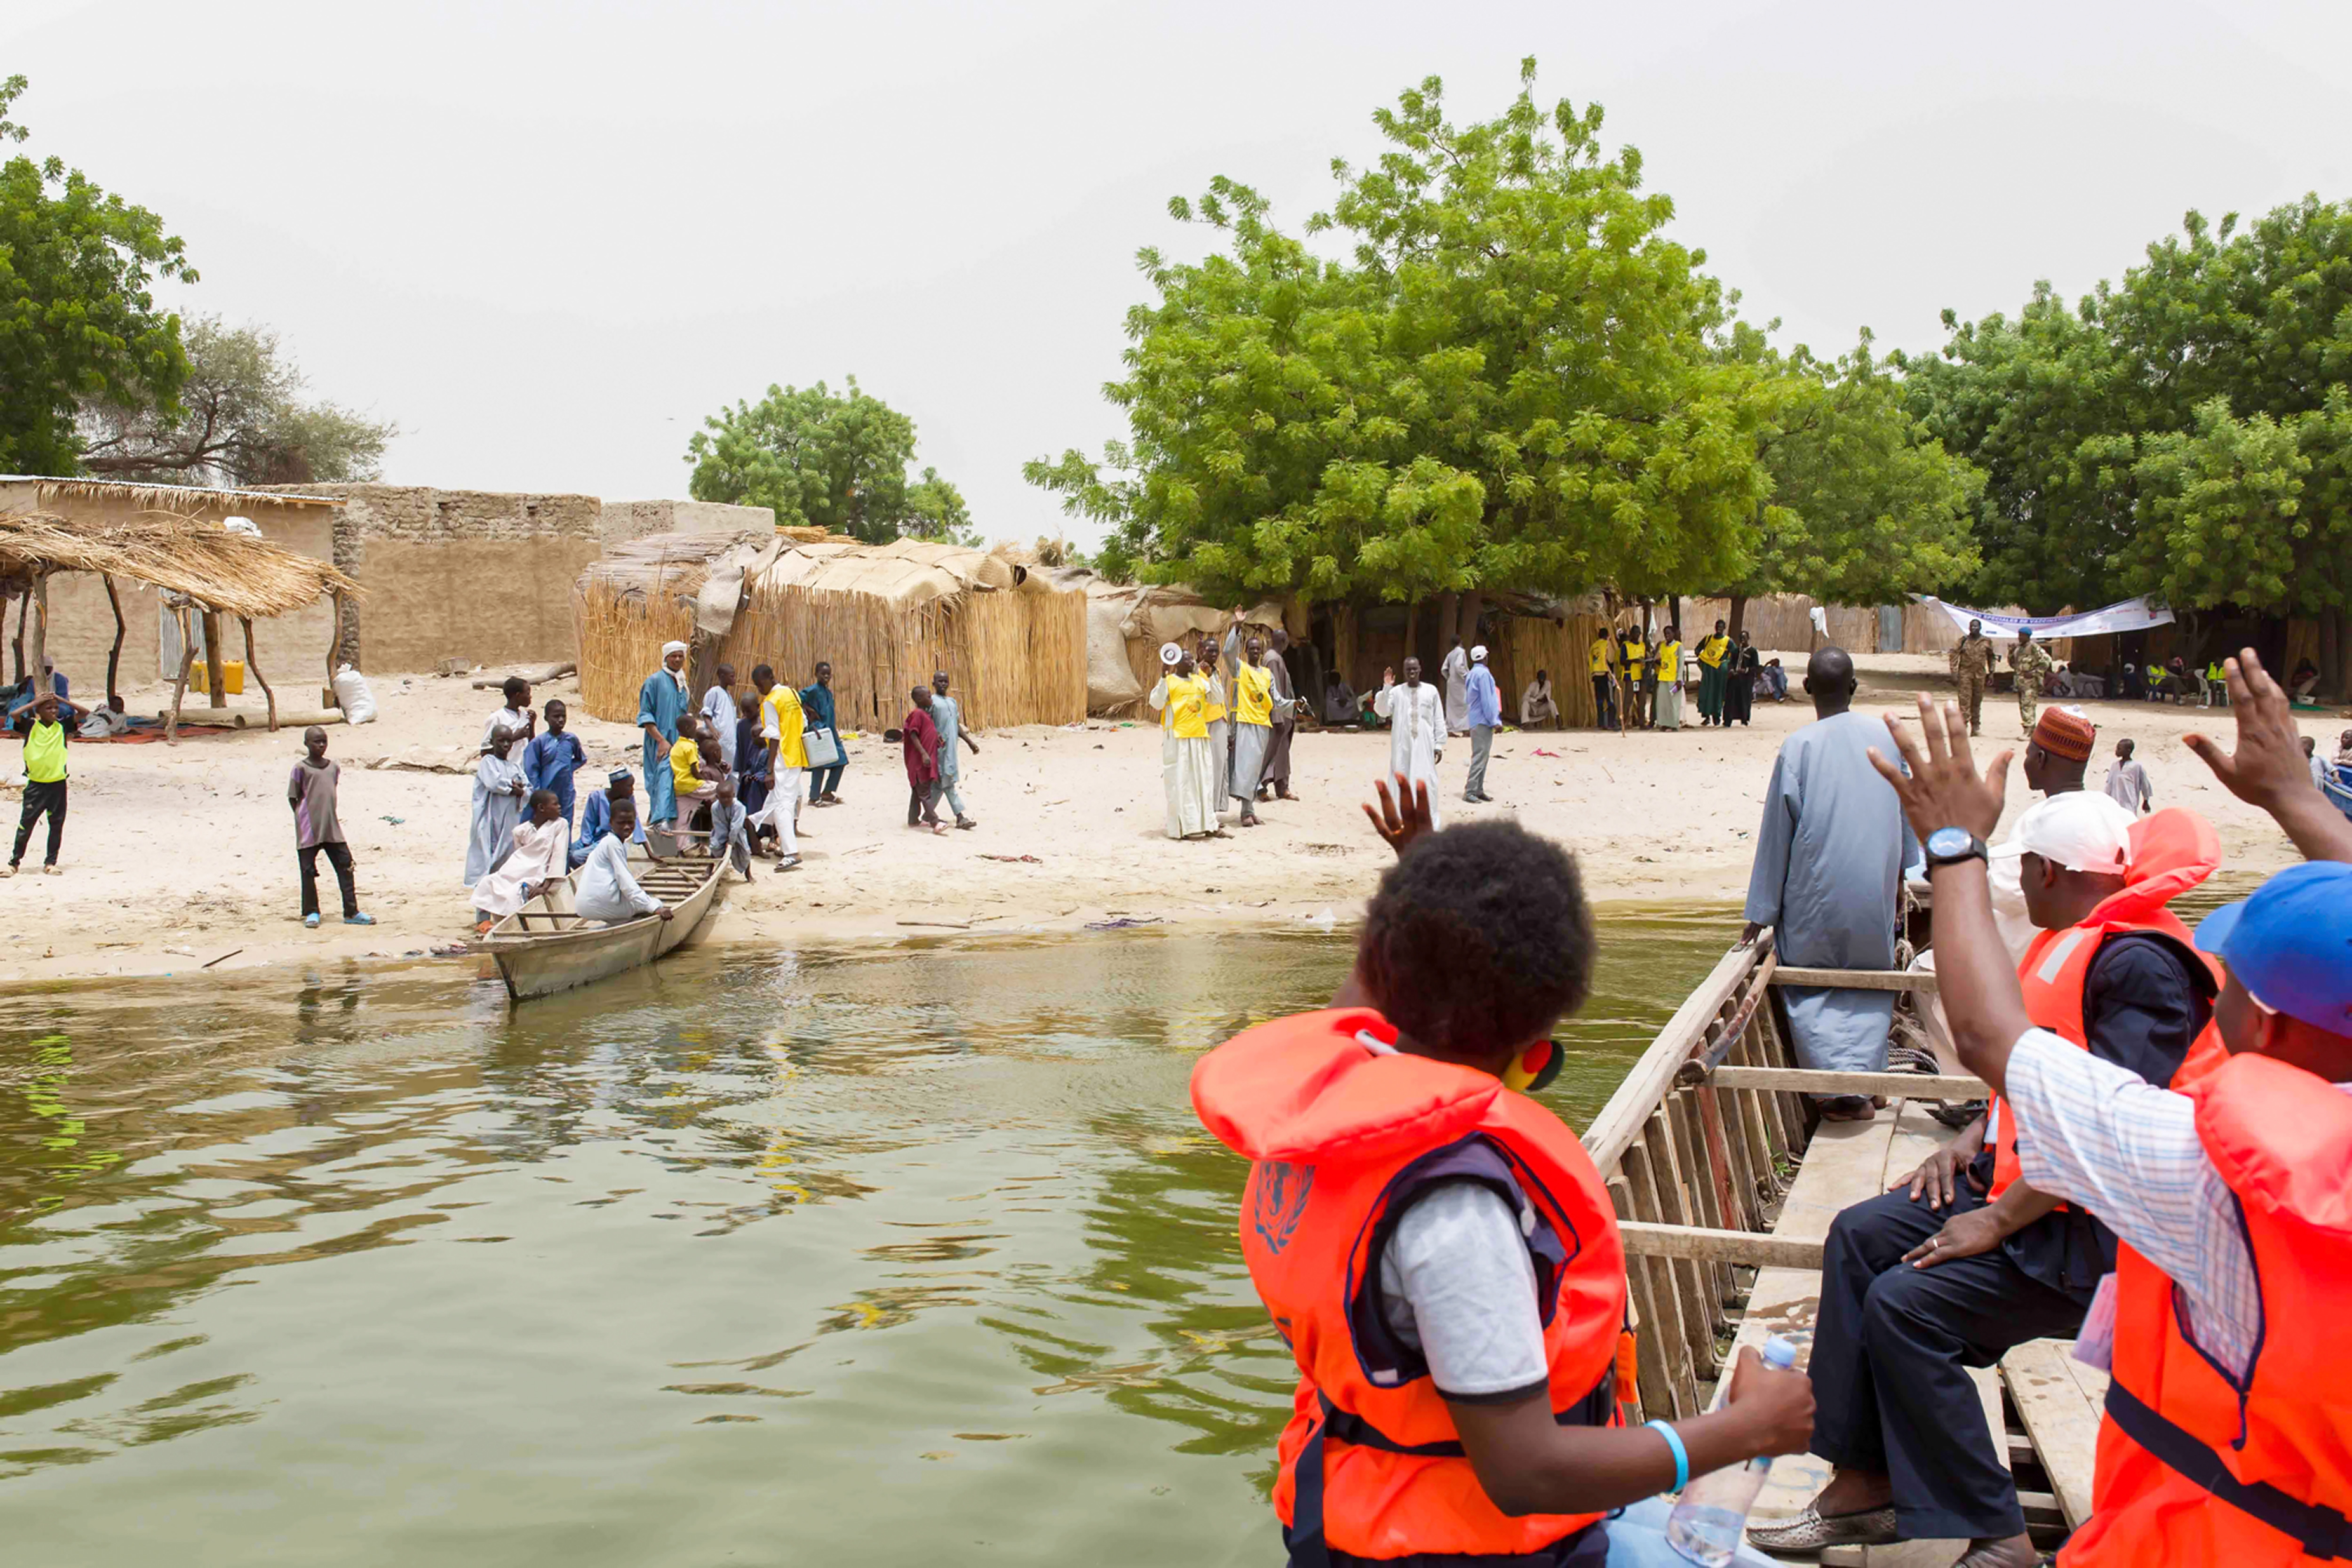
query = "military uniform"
x=1972 y=668
x=2033 y=664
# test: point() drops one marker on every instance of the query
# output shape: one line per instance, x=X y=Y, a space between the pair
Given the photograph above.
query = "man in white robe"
x=539 y=853
x=719 y=713
x=1455 y=668
x=1416 y=728
x=605 y=890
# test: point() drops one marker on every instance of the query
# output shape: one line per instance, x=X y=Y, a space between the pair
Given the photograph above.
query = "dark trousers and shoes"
x=338 y=856
x=40 y=798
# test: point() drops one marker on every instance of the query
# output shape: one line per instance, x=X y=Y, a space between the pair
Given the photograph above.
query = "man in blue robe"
x=660 y=701
x=550 y=758
x=1828 y=873
x=816 y=704
x=596 y=815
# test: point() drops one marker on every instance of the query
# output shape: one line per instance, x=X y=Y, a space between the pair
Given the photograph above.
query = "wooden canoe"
x=545 y=946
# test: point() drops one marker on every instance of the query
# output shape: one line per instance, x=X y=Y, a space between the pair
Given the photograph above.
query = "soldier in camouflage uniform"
x=1972 y=668
x=2031 y=662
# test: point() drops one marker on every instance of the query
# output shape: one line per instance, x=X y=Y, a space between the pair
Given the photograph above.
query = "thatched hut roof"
x=173 y=499
x=238 y=574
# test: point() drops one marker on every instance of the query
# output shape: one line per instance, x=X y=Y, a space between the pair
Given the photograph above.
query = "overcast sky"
x=548 y=238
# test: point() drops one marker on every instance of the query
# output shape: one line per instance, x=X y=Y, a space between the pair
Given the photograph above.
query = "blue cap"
x=2291 y=943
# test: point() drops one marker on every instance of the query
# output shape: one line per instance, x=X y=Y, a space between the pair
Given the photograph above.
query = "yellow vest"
x=1254 y=695
x=45 y=752
x=1187 y=707
x=1601 y=646
x=1670 y=661
x=1711 y=651
x=1632 y=659
x=784 y=705
x=1212 y=710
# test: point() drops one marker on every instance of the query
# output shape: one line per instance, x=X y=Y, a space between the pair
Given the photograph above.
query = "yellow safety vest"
x=45 y=752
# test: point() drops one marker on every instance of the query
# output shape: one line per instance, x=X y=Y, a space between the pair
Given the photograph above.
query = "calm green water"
x=904 y=1257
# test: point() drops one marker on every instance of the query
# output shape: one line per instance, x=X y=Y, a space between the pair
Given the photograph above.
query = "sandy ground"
x=178 y=855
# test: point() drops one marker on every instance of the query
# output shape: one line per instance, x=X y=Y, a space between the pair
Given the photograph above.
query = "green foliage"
x=1514 y=380
x=78 y=321
x=240 y=419
x=2101 y=439
x=824 y=459
x=1865 y=505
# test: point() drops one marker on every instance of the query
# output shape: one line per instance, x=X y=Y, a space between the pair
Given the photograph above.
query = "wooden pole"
x=180 y=686
x=215 y=676
x=24 y=609
x=327 y=697
x=42 y=684
x=252 y=668
x=114 y=654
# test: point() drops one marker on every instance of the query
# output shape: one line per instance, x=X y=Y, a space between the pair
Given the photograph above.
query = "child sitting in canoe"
x=1436 y=1247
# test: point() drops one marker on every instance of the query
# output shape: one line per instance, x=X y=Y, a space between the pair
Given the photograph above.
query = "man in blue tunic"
x=816 y=704
x=1829 y=868
x=660 y=701
x=950 y=720
x=596 y=815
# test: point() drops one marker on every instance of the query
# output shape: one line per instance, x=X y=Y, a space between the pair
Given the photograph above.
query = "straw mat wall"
x=620 y=642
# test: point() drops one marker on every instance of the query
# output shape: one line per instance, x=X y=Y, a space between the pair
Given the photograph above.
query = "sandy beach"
x=179 y=856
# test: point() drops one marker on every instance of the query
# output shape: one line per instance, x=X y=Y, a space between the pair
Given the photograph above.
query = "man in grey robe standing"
x=1828 y=874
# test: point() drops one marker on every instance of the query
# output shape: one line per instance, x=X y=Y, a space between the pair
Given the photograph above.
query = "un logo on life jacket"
x=1279 y=1200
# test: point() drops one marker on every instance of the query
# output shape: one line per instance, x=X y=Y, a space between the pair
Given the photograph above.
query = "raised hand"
x=1398 y=827
x=1942 y=789
x=2268 y=763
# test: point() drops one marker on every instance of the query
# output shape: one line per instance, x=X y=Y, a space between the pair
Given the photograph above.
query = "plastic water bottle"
x=1705 y=1524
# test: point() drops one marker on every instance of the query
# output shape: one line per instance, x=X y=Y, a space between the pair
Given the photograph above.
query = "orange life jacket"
x=2193 y=1468
x=1341 y=1136
x=2172 y=852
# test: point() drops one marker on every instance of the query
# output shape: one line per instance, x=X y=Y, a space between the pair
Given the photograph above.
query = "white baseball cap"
x=1479 y=654
x=2080 y=830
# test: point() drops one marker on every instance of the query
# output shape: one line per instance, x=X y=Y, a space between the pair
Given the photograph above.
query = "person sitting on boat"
x=535 y=858
x=2222 y=1436
x=605 y=890
x=730 y=831
x=597 y=814
x=1436 y=1247
x=1961 y=1261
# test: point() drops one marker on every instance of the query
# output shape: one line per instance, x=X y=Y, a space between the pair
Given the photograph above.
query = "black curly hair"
x=1478 y=940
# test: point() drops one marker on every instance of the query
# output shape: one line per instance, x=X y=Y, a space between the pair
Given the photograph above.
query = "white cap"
x=669 y=648
x=2081 y=829
x=1479 y=654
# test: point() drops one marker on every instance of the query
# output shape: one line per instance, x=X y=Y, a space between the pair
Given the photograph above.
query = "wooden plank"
x=1620 y=1121
x=1701 y=1304
x=1727 y=1141
x=1810 y=1080
x=1759 y=1248
x=1858 y=979
x=1672 y=1289
x=1703 y=1181
x=1650 y=1357
x=2063 y=1423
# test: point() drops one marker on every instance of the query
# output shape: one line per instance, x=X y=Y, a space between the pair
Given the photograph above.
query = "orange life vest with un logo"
x=2172 y=852
x=1341 y=1136
x=2193 y=1467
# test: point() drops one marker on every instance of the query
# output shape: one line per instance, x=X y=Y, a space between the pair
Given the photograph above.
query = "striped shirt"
x=2100 y=1135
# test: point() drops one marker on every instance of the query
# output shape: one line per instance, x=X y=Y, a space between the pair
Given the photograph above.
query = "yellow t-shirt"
x=1632 y=659
x=1254 y=695
x=45 y=752
x=1212 y=710
x=1187 y=706
x=1601 y=649
x=1711 y=650
x=684 y=756
x=783 y=721
x=1670 y=663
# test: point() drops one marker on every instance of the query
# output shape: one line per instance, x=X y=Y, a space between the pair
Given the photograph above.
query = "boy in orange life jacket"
x=2224 y=1437
x=1961 y=1261
x=1436 y=1248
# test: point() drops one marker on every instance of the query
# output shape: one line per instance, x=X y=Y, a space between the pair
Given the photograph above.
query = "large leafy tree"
x=78 y=321
x=1865 y=505
x=824 y=459
x=1512 y=380
x=240 y=418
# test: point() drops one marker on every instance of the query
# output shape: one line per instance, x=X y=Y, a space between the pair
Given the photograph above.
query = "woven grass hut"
x=203 y=569
x=884 y=616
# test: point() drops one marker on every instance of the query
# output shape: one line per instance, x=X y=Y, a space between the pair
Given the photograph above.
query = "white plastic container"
x=1705 y=1524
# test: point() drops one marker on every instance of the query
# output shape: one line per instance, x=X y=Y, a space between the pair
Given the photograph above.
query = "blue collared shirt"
x=1485 y=701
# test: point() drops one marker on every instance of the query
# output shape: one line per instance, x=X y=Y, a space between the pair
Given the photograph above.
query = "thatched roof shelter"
x=202 y=568
x=884 y=616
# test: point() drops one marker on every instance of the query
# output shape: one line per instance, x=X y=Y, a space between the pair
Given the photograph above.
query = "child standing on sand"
x=45 y=783
x=311 y=791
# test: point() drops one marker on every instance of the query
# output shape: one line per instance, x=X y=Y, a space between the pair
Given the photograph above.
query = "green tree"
x=78 y=320
x=240 y=418
x=824 y=459
x=1865 y=506
x=1513 y=382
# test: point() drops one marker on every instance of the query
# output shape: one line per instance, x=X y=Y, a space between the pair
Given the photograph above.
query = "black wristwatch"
x=1950 y=846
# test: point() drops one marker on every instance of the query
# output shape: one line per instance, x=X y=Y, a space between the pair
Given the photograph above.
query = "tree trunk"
x=1674 y=611
x=180 y=686
x=1739 y=615
x=24 y=609
x=1474 y=605
x=252 y=668
x=2335 y=655
x=215 y=678
x=1449 y=622
x=113 y=654
x=39 y=599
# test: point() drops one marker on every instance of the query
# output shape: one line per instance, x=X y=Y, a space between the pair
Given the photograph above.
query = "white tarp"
x=2128 y=615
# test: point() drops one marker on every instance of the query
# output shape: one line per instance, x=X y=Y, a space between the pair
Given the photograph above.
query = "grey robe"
x=1829 y=868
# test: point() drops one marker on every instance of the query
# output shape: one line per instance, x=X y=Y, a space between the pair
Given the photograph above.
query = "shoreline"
x=178 y=857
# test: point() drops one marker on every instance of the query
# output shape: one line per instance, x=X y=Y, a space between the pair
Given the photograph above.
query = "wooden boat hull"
x=544 y=947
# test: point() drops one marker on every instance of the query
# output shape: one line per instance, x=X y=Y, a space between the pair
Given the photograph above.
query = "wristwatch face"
x=1948 y=844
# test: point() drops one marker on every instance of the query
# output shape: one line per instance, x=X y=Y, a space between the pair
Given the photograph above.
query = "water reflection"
x=894 y=1256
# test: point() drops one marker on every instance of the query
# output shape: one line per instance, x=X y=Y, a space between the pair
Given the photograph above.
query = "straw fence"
x=620 y=640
